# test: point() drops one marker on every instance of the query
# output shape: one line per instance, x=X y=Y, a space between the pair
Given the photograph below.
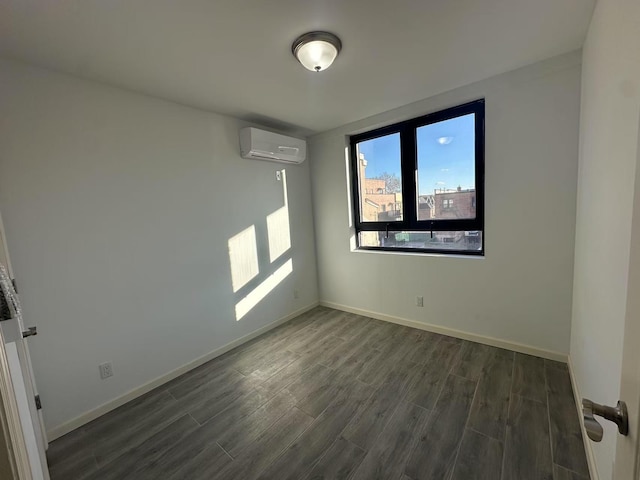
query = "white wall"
x=521 y=290
x=118 y=208
x=608 y=158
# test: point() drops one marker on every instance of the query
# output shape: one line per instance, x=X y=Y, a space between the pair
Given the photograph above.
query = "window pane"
x=380 y=179
x=446 y=169
x=462 y=241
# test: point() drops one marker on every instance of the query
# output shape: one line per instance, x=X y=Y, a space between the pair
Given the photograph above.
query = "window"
x=431 y=170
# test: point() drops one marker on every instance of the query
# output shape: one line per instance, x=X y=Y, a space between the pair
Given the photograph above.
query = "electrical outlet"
x=296 y=293
x=419 y=301
x=106 y=370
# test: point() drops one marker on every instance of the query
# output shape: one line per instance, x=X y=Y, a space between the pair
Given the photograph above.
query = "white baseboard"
x=588 y=447
x=86 y=417
x=494 y=342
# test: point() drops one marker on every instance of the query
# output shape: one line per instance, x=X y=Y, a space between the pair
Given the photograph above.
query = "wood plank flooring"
x=333 y=395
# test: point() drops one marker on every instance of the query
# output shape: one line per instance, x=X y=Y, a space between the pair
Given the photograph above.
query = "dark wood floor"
x=337 y=395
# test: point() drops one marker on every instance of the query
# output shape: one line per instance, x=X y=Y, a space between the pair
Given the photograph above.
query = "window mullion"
x=479 y=150
x=408 y=165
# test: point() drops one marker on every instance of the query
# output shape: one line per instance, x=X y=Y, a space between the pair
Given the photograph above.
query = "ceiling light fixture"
x=316 y=51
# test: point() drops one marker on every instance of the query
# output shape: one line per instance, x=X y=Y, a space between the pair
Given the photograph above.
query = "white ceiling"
x=234 y=57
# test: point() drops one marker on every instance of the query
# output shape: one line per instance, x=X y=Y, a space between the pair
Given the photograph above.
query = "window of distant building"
x=431 y=169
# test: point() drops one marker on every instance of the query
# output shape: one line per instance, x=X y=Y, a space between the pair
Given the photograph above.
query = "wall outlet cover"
x=106 y=370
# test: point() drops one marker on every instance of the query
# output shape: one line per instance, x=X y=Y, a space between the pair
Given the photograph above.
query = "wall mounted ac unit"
x=262 y=145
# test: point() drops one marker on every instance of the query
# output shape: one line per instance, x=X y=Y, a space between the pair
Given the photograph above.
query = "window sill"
x=476 y=256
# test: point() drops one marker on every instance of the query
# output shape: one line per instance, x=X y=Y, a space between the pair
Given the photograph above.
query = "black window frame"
x=408 y=166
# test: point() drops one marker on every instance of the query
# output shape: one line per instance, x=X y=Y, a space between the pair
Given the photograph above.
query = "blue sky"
x=440 y=164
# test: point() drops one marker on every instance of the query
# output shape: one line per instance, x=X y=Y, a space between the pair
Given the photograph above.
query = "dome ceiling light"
x=316 y=51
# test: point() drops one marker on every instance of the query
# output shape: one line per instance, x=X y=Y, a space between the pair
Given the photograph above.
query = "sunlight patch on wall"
x=279 y=233
x=243 y=256
x=348 y=177
x=245 y=305
x=278 y=227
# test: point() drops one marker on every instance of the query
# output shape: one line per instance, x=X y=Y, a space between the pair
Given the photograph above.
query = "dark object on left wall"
x=5 y=313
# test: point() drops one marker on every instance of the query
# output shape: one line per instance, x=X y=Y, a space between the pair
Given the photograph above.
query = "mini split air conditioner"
x=262 y=145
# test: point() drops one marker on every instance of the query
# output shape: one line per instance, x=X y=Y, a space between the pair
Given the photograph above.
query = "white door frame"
x=18 y=452
x=42 y=437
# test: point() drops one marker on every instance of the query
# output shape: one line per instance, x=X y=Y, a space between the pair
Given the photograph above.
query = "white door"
x=627 y=465
x=16 y=352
